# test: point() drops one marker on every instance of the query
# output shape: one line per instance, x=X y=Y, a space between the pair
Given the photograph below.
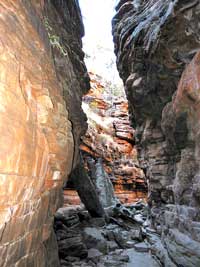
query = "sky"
x=97 y=43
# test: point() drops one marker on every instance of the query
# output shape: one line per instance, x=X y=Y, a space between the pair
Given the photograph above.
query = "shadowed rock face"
x=37 y=124
x=151 y=61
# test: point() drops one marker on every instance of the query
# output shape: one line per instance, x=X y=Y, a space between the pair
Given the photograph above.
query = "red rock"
x=36 y=144
x=110 y=136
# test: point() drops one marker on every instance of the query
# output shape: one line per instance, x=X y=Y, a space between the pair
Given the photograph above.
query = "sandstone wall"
x=36 y=121
x=154 y=42
x=110 y=137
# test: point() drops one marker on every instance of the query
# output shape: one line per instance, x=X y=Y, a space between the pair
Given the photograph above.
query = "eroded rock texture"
x=109 y=136
x=154 y=42
x=108 y=145
x=40 y=80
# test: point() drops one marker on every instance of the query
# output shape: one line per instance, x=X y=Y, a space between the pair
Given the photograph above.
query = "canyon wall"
x=110 y=138
x=42 y=79
x=155 y=42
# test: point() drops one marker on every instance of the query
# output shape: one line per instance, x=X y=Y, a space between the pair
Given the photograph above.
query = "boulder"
x=94 y=239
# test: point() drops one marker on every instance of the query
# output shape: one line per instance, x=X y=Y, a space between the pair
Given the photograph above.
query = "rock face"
x=87 y=191
x=64 y=25
x=108 y=146
x=41 y=84
x=154 y=42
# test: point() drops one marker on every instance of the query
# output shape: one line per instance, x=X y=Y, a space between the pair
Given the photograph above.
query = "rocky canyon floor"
x=123 y=239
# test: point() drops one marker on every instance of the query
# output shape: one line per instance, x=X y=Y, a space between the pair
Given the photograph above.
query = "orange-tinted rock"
x=110 y=136
x=36 y=144
x=185 y=107
x=71 y=196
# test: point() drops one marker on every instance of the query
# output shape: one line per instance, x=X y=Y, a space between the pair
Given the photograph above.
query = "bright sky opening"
x=98 y=43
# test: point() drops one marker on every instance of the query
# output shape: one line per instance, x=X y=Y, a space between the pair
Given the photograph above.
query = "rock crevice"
x=110 y=138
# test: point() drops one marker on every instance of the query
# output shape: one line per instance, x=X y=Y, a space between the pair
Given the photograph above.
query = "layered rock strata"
x=154 y=42
x=42 y=79
x=108 y=145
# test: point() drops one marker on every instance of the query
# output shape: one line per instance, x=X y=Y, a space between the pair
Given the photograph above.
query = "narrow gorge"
x=130 y=159
x=108 y=148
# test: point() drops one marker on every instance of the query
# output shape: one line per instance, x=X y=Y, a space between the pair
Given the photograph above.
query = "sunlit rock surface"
x=154 y=42
x=109 y=137
x=37 y=143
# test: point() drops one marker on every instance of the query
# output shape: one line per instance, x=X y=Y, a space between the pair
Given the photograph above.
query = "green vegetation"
x=54 y=39
x=117 y=90
x=93 y=105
